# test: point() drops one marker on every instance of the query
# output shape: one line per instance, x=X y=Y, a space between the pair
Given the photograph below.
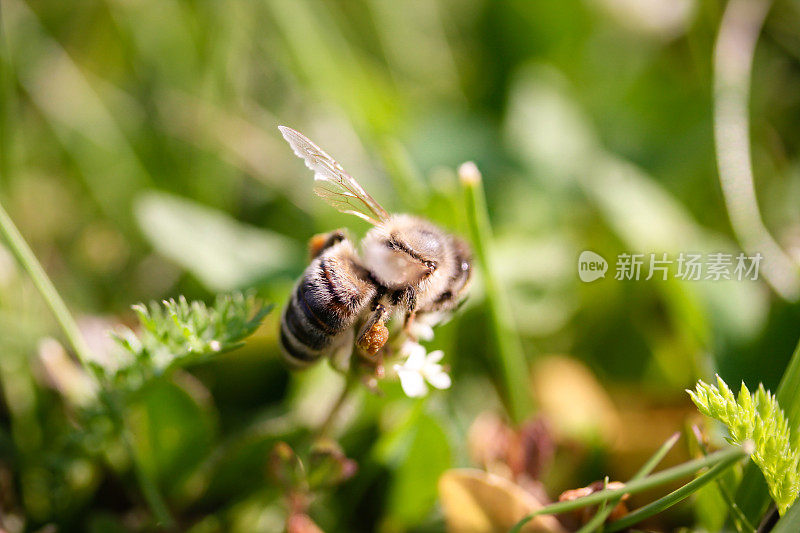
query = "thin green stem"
x=43 y=284
x=673 y=497
x=514 y=367
x=729 y=456
x=741 y=521
x=600 y=517
x=28 y=260
x=327 y=424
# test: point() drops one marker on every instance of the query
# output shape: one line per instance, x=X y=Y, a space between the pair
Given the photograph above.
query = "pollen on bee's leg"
x=319 y=242
x=374 y=339
x=316 y=243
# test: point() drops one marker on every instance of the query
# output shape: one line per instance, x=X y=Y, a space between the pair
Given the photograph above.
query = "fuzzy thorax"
x=408 y=251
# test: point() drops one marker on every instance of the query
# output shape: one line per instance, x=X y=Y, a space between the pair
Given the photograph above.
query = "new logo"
x=591 y=266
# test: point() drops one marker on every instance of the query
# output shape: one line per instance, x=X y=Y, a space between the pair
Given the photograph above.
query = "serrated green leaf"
x=759 y=418
x=175 y=334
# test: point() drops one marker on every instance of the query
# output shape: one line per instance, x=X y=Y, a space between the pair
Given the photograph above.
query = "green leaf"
x=790 y=522
x=418 y=466
x=172 y=432
x=221 y=252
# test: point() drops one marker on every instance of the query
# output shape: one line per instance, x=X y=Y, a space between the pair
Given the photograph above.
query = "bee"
x=408 y=265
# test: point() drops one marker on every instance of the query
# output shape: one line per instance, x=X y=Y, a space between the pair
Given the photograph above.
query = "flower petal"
x=441 y=380
x=412 y=383
x=416 y=356
x=422 y=331
x=435 y=356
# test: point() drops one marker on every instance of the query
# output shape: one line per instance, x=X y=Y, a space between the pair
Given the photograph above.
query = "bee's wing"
x=334 y=185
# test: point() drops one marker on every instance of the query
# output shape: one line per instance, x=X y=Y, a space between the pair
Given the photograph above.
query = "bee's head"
x=404 y=251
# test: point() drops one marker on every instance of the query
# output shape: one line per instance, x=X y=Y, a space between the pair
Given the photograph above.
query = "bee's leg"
x=374 y=333
x=410 y=303
x=409 y=330
x=409 y=321
x=322 y=241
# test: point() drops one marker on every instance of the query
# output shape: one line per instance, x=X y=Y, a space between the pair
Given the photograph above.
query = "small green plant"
x=177 y=332
x=757 y=417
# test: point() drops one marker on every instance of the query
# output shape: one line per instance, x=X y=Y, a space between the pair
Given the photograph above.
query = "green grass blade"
x=740 y=521
x=734 y=54
x=657 y=457
x=673 y=497
x=790 y=522
x=52 y=298
x=514 y=367
x=787 y=395
x=600 y=517
x=727 y=457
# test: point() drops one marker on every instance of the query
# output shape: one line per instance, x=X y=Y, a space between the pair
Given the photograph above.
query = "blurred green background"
x=141 y=160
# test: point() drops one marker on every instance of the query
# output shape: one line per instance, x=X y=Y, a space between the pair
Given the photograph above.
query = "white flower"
x=420 y=367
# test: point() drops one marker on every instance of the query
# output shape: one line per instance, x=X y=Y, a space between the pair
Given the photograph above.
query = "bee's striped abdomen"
x=326 y=302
